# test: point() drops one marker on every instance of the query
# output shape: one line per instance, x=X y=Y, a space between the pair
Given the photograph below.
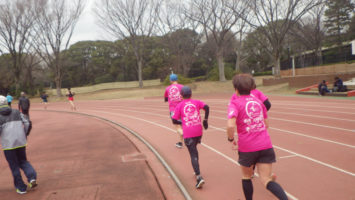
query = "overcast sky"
x=87 y=28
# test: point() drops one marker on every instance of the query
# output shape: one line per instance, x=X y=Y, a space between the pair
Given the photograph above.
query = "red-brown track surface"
x=314 y=140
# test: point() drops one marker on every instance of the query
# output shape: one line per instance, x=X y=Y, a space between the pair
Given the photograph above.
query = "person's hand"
x=205 y=124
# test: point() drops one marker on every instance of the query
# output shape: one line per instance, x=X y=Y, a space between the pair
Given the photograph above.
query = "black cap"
x=186 y=92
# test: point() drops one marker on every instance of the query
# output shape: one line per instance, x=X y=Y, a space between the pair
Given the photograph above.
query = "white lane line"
x=203 y=144
x=316 y=161
x=348 y=103
x=315 y=116
x=326 y=111
x=282 y=130
x=305 y=109
x=299 y=122
x=290 y=156
x=313 y=137
x=313 y=124
x=319 y=106
x=291 y=152
x=295 y=133
x=307 y=104
x=308 y=158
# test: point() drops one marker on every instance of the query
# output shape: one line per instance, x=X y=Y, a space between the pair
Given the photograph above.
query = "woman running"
x=248 y=115
x=70 y=96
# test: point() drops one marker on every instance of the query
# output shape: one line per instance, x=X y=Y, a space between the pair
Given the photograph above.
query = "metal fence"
x=329 y=56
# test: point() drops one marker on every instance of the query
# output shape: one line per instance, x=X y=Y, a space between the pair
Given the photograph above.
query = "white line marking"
x=290 y=156
x=326 y=111
x=316 y=138
x=314 y=160
x=312 y=124
x=203 y=144
x=282 y=130
x=291 y=152
x=316 y=116
x=306 y=109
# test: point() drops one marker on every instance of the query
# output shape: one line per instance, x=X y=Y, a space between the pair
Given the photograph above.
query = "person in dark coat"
x=24 y=104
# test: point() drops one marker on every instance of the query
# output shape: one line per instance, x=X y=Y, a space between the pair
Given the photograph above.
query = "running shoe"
x=200 y=182
x=32 y=184
x=179 y=145
x=20 y=192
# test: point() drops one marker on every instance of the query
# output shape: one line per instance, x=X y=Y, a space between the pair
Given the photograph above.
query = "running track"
x=314 y=140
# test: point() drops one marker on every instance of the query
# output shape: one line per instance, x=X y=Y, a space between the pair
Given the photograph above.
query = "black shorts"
x=193 y=141
x=248 y=159
x=171 y=116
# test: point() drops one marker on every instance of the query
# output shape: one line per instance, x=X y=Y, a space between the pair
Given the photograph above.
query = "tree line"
x=209 y=39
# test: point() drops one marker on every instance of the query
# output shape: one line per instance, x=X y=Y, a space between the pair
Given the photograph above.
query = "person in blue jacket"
x=9 y=99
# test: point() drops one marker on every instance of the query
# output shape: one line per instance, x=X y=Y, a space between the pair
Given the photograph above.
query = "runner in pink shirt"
x=173 y=97
x=189 y=112
x=248 y=115
x=259 y=95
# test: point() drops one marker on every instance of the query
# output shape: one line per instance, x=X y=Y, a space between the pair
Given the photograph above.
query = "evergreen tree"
x=338 y=17
x=351 y=31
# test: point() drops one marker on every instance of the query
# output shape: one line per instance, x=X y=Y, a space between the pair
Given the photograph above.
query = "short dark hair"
x=244 y=83
x=186 y=92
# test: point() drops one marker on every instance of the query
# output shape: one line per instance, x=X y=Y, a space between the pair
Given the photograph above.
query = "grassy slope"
x=197 y=87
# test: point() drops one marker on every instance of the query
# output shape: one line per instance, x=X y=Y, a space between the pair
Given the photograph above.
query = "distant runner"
x=70 y=96
x=44 y=98
x=173 y=97
x=9 y=99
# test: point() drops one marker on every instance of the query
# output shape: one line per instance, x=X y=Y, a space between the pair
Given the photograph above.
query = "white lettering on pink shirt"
x=250 y=114
x=174 y=96
x=189 y=113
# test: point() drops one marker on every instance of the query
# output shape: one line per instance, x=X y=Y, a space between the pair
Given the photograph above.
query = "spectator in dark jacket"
x=14 y=128
x=338 y=85
x=24 y=104
x=323 y=88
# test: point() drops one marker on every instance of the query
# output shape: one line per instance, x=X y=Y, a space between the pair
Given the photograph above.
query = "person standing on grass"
x=70 y=96
x=248 y=115
x=173 y=97
x=24 y=104
x=14 y=129
x=188 y=111
x=9 y=99
x=44 y=98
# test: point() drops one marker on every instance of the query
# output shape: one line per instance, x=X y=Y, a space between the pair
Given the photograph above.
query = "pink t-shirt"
x=173 y=94
x=250 y=114
x=255 y=93
x=189 y=113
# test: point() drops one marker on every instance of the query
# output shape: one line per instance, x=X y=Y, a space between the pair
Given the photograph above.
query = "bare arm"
x=266 y=121
x=231 y=125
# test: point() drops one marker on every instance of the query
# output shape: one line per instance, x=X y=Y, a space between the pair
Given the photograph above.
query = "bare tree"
x=17 y=18
x=133 y=20
x=55 y=27
x=311 y=32
x=240 y=37
x=274 y=19
x=216 y=18
x=30 y=65
x=180 y=36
